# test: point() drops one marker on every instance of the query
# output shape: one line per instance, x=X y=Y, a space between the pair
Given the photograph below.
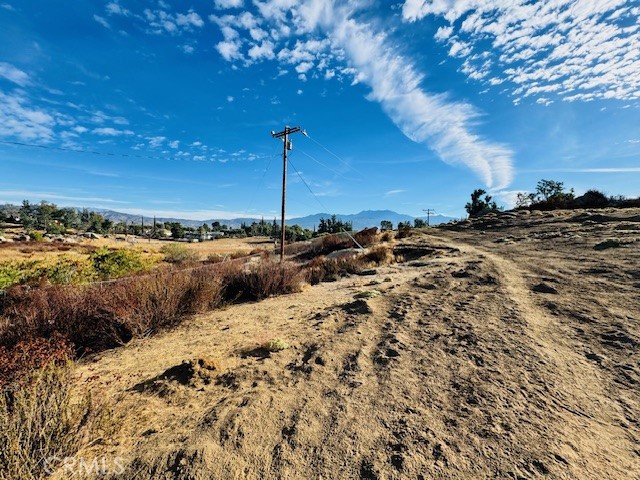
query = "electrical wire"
x=307 y=185
x=321 y=164
x=321 y=204
x=333 y=154
x=255 y=192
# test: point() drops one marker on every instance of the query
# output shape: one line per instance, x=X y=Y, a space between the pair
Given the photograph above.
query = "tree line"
x=549 y=195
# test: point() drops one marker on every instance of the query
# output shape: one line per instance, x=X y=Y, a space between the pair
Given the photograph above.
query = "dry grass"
x=380 y=255
x=40 y=423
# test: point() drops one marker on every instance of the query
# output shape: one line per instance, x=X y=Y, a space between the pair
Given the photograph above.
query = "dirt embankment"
x=504 y=350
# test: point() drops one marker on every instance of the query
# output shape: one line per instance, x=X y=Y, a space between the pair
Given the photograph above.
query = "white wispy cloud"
x=19 y=195
x=162 y=21
x=110 y=132
x=186 y=214
x=156 y=142
x=574 y=49
x=349 y=48
x=14 y=74
x=21 y=120
x=114 y=8
x=394 y=192
x=223 y=4
x=102 y=21
x=100 y=117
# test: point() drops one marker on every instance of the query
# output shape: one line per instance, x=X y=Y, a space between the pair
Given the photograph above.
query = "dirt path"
x=454 y=369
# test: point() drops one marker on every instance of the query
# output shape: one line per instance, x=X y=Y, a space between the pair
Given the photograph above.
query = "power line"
x=308 y=187
x=322 y=164
x=333 y=154
x=264 y=174
x=322 y=205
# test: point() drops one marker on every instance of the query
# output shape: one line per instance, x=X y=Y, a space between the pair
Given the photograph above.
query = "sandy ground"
x=508 y=348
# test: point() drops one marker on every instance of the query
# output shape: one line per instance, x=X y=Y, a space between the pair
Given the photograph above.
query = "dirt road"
x=490 y=352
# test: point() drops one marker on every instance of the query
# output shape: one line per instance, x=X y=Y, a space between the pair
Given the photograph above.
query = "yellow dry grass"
x=49 y=252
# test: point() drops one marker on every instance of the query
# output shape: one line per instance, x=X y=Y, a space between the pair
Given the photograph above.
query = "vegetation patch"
x=40 y=425
x=108 y=263
x=177 y=253
x=367 y=294
x=276 y=345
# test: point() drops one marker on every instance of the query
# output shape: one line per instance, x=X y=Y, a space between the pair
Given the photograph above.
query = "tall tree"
x=478 y=205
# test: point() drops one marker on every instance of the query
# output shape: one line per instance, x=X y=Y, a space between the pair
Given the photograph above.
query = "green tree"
x=27 y=215
x=478 y=205
x=419 y=223
x=45 y=213
x=177 y=230
x=548 y=189
x=386 y=225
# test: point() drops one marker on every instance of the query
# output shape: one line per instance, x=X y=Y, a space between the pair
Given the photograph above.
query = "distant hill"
x=364 y=219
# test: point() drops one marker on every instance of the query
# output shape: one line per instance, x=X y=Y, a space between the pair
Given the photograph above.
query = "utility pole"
x=284 y=135
x=428 y=211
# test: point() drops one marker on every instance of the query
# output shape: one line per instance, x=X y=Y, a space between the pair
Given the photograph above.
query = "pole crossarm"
x=285 y=132
x=428 y=211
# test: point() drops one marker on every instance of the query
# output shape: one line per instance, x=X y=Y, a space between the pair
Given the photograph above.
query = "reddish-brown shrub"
x=387 y=236
x=367 y=237
x=106 y=315
x=331 y=243
x=265 y=279
x=380 y=255
x=322 y=269
x=32 y=354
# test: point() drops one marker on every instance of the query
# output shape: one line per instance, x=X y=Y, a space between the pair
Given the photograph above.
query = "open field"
x=506 y=349
x=43 y=250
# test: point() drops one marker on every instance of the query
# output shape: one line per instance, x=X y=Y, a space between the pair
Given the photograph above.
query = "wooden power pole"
x=284 y=135
x=428 y=211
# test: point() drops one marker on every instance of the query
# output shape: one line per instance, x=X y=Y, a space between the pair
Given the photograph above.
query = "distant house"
x=203 y=236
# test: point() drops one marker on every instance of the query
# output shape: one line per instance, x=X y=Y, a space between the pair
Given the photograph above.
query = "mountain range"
x=364 y=219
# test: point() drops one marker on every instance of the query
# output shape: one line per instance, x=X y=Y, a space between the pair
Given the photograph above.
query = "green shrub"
x=56 y=229
x=12 y=273
x=276 y=345
x=115 y=263
x=67 y=270
x=36 y=236
x=176 y=253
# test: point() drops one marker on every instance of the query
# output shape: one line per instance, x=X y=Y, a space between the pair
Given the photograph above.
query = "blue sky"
x=166 y=108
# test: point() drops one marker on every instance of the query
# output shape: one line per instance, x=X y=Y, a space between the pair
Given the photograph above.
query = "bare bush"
x=39 y=423
x=263 y=280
